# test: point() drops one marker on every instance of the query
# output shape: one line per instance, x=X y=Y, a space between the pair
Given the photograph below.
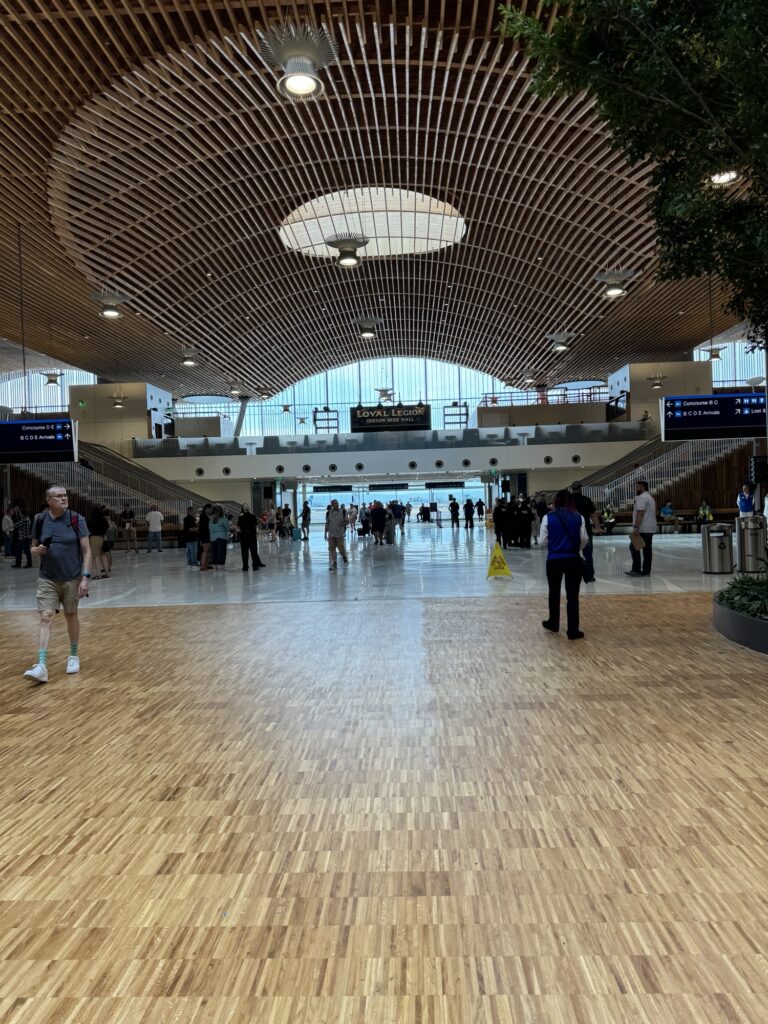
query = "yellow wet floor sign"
x=498 y=563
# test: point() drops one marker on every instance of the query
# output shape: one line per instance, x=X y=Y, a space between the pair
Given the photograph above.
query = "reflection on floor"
x=426 y=562
x=404 y=812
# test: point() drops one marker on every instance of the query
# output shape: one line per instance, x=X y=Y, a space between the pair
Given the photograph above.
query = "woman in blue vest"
x=564 y=535
x=745 y=502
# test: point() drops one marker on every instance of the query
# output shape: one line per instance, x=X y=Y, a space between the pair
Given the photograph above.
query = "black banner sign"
x=444 y=485
x=687 y=417
x=369 y=418
x=37 y=441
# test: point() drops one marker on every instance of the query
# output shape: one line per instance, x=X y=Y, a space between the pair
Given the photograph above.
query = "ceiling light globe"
x=615 y=291
x=367 y=333
x=110 y=312
x=722 y=178
x=188 y=361
x=348 y=259
x=560 y=346
x=301 y=84
x=656 y=386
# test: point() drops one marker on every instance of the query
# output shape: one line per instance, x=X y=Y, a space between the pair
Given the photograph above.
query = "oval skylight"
x=396 y=222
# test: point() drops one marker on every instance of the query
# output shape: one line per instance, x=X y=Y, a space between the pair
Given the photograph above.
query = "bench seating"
x=686 y=520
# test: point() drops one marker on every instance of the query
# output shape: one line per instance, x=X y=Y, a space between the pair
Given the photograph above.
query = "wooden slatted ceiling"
x=167 y=109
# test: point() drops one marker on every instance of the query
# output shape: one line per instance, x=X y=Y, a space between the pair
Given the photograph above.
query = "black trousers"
x=248 y=546
x=569 y=569
x=647 y=554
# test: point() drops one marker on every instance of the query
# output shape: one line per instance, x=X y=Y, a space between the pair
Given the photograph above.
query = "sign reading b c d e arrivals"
x=392 y=417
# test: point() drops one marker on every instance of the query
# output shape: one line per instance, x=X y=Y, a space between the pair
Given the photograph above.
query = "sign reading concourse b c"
x=366 y=418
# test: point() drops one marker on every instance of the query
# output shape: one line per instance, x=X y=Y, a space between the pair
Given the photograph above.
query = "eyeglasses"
x=58 y=497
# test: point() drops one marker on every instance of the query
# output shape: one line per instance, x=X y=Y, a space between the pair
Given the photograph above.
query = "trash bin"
x=717 y=547
x=750 y=544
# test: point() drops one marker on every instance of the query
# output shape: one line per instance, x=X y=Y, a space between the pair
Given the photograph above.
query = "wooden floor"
x=418 y=812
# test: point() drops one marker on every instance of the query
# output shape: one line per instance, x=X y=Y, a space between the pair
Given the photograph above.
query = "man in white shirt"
x=155 y=533
x=643 y=525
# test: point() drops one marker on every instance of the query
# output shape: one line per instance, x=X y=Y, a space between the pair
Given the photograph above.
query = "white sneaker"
x=38 y=672
x=73 y=664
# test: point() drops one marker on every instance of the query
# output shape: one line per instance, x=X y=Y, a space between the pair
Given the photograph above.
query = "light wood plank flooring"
x=420 y=812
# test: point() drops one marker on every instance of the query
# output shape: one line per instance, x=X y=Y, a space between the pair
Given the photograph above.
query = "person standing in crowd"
x=22 y=533
x=408 y=510
x=526 y=516
x=511 y=524
x=454 y=508
x=499 y=515
x=7 y=532
x=306 y=519
x=352 y=520
x=247 y=527
x=378 y=521
x=189 y=536
x=745 y=502
x=644 y=525
x=480 y=509
x=220 y=534
x=335 y=530
x=541 y=508
x=61 y=541
x=398 y=516
x=204 y=537
x=128 y=523
x=564 y=535
x=97 y=528
x=155 y=529
x=469 y=514
x=586 y=509
x=365 y=520
x=109 y=542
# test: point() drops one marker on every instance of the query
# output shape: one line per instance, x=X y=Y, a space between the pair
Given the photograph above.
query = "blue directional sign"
x=688 y=417
x=37 y=441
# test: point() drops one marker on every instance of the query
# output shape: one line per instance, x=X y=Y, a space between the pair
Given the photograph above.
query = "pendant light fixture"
x=560 y=340
x=721 y=179
x=368 y=327
x=52 y=379
x=301 y=51
x=615 y=279
x=347 y=246
x=108 y=296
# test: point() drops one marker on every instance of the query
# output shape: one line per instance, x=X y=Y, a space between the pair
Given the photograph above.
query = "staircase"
x=127 y=473
x=643 y=455
x=670 y=464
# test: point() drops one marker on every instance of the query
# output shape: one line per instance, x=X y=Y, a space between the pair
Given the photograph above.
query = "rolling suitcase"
x=296 y=533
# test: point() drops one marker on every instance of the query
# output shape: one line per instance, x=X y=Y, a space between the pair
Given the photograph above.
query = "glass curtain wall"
x=735 y=366
x=405 y=380
x=32 y=393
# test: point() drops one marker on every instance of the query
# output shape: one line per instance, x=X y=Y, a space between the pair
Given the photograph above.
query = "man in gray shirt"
x=60 y=538
x=335 y=530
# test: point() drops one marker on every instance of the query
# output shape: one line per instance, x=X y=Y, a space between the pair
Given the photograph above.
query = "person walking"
x=247 y=527
x=109 y=543
x=480 y=509
x=335 y=530
x=378 y=521
x=128 y=523
x=499 y=516
x=586 y=509
x=61 y=541
x=644 y=525
x=204 y=536
x=564 y=535
x=454 y=508
x=155 y=529
x=306 y=520
x=189 y=536
x=97 y=528
x=469 y=514
x=22 y=533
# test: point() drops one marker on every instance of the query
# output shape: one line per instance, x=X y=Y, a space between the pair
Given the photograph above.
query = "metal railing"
x=140 y=480
x=666 y=468
x=404 y=440
x=546 y=396
x=643 y=454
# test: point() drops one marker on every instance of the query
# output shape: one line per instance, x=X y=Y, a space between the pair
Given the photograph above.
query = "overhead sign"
x=387 y=487
x=687 y=417
x=365 y=419
x=37 y=441
x=444 y=485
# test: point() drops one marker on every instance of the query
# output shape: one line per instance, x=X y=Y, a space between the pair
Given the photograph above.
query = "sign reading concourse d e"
x=392 y=417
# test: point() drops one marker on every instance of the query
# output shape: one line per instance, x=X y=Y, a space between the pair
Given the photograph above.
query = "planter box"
x=741 y=628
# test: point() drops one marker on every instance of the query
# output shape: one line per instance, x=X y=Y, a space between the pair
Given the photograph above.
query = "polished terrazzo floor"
x=426 y=562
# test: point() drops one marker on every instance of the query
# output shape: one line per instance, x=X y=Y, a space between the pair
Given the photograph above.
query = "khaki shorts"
x=52 y=593
x=96 y=545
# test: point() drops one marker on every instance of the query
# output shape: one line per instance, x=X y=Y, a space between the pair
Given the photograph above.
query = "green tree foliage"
x=684 y=84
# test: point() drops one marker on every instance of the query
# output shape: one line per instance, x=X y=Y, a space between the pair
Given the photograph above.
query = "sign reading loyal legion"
x=365 y=418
